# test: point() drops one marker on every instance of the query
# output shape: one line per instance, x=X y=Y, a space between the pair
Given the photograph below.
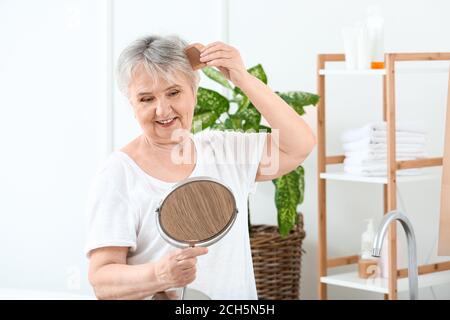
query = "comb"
x=193 y=54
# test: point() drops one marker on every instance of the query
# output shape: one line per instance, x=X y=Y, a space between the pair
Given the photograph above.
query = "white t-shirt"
x=123 y=199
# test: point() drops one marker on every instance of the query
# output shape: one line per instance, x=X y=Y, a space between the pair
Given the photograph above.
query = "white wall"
x=55 y=90
x=50 y=133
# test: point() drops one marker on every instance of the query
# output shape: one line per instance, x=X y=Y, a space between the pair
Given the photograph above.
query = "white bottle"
x=367 y=241
x=375 y=28
x=364 y=58
x=350 y=37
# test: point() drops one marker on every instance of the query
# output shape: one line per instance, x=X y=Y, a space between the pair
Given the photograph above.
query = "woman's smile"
x=167 y=122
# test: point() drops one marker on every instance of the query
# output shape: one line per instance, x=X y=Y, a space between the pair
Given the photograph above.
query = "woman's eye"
x=172 y=94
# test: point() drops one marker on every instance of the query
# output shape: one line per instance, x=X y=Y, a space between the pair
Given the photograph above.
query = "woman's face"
x=163 y=108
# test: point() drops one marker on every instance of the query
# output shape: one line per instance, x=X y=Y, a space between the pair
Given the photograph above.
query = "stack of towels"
x=365 y=148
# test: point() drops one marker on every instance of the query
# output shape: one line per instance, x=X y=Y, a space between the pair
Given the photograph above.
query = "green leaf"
x=286 y=220
x=301 y=183
x=217 y=76
x=218 y=126
x=299 y=99
x=289 y=190
x=243 y=103
x=209 y=108
x=209 y=100
x=237 y=91
x=203 y=120
x=228 y=124
x=251 y=117
x=258 y=72
x=267 y=129
x=233 y=122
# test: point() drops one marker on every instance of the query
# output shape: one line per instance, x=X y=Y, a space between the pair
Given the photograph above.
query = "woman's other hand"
x=178 y=268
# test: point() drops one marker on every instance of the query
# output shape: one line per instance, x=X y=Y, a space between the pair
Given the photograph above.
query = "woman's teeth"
x=166 y=121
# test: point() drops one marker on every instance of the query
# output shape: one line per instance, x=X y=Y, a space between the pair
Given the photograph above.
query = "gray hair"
x=162 y=57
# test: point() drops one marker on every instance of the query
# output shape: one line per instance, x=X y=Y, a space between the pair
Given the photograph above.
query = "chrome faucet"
x=413 y=274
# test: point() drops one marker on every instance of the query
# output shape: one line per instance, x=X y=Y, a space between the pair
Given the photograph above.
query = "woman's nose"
x=162 y=109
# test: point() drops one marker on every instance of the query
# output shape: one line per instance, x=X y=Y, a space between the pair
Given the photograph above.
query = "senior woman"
x=128 y=257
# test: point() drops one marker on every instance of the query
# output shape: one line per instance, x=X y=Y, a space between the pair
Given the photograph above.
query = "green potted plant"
x=213 y=110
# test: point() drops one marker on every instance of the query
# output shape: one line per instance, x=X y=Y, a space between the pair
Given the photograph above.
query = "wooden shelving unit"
x=429 y=275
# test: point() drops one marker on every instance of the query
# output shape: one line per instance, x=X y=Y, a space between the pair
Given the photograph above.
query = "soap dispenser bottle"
x=367 y=240
x=367 y=265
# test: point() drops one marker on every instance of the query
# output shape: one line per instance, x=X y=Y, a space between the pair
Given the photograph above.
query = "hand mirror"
x=196 y=212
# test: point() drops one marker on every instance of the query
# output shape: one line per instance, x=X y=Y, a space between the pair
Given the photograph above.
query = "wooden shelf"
x=389 y=287
x=380 y=285
x=343 y=176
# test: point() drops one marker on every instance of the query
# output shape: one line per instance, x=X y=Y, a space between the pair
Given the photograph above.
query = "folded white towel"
x=377 y=171
x=369 y=162
x=366 y=148
x=405 y=129
x=419 y=139
x=404 y=139
x=398 y=134
x=402 y=126
x=365 y=144
x=381 y=155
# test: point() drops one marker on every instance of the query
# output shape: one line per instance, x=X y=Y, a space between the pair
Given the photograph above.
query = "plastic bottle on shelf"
x=363 y=47
x=350 y=37
x=375 y=28
x=367 y=241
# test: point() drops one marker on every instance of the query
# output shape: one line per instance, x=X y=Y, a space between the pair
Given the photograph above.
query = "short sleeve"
x=111 y=218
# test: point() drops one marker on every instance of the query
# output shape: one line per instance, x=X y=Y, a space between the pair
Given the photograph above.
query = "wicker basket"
x=277 y=261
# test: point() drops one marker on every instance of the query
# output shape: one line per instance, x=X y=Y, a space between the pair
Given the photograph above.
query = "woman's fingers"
x=216 y=55
x=182 y=265
x=179 y=266
x=211 y=45
x=188 y=273
x=216 y=49
x=226 y=58
x=186 y=276
x=227 y=63
x=215 y=46
x=190 y=253
x=187 y=263
x=219 y=58
x=187 y=280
